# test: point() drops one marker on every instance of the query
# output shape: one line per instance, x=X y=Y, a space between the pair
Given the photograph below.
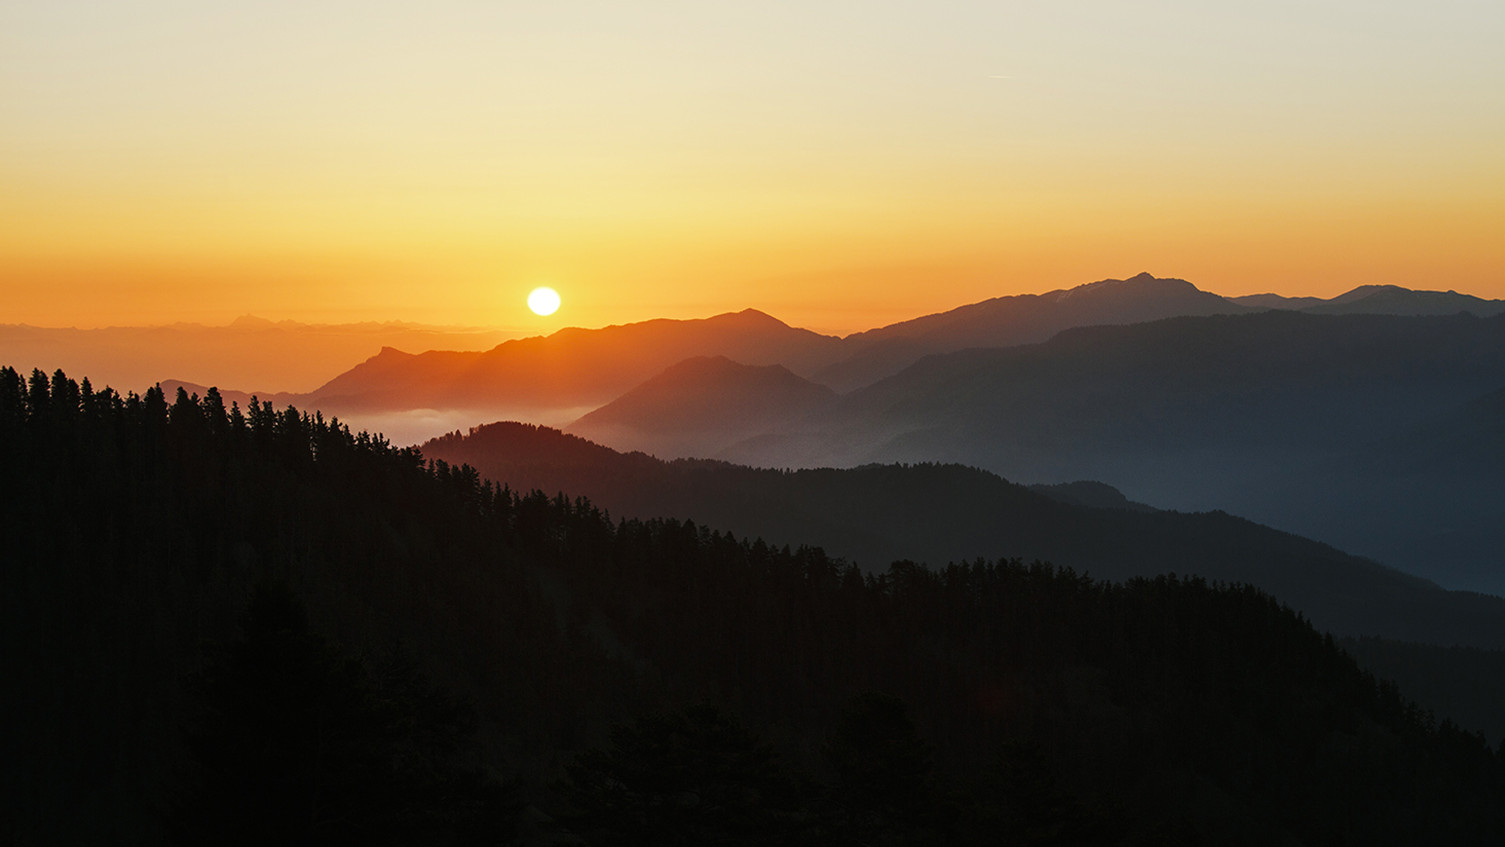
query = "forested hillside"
x=874 y=514
x=760 y=695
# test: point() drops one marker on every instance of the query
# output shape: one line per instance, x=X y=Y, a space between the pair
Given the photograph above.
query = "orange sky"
x=840 y=165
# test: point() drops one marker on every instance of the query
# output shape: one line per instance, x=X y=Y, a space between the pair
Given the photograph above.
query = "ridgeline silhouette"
x=874 y=514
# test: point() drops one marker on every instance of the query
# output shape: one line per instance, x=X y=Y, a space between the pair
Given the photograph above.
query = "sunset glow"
x=840 y=167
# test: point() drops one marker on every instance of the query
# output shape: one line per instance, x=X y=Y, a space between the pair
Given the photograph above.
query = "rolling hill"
x=877 y=514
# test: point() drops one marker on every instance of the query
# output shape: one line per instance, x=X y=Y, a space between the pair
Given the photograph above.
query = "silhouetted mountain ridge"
x=571 y=367
x=577 y=367
x=588 y=367
x=949 y=513
x=1176 y=412
x=1018 y=319
x=1380 y=300
x=1097 y=495
x=1426 y=498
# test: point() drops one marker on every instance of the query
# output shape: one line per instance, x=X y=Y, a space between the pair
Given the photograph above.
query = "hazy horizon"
x=521 y=329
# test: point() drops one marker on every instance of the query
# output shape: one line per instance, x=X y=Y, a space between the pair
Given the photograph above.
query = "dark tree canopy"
x=1020 y=698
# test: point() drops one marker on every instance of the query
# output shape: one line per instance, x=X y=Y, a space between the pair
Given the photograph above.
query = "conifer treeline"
x=136 y=530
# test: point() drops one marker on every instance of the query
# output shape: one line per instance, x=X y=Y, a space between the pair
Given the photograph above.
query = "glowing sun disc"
x=543 y=301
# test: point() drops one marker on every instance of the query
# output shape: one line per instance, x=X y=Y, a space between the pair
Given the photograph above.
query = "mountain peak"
x=251 y=322
x=1364 y=291
x=1135 y=286
x=701 y=405
x=750 y=317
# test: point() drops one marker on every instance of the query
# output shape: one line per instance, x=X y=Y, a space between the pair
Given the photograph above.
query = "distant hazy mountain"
x=558 y=378
x=250 y=354
x=1380 y=300
x=1394 y=300
x=703 y=405
x=1277 y=301
x=1019 y=319
x=1428 y=499
x=1191 y=413
x=939 y=513
x=585 y=368
x=570 y=368
x=1325 y=425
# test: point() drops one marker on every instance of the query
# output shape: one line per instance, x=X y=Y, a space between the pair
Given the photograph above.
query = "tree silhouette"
x=687 y=778
x=133 y=531
x=885 y=792
x=299 y=745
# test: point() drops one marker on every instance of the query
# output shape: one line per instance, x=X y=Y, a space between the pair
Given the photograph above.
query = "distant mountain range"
x=1019 y=319
x=250 y=354
x=1381 y=300
x=1302 y=421
x=590 y=367
x=1427 y=497
x=1261 y=385
x=1291 y=411
x=572 y=367
x=587 y=368
x=877 y=514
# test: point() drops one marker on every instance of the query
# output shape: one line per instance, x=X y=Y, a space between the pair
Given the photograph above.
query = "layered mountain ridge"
x=1179 y=397
x=877 y=514
x=572 y=367
x=716 y=403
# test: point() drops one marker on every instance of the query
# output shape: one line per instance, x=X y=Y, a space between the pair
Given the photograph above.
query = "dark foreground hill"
x=1022 y=703
x=875 y=514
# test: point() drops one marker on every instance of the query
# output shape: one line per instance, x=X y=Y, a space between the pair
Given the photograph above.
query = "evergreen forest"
x=252 y=625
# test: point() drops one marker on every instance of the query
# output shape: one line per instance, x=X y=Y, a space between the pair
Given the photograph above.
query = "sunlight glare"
x=543 y=301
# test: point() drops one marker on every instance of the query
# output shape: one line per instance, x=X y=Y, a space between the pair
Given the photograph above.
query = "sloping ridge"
x=698 y=405
x=1277 y=379
x=1395 y=300
x=571 y=367
x=1428 y=498
x=1380 y=300
x=1018 y=319
x=1188 y=413
x=939 y=513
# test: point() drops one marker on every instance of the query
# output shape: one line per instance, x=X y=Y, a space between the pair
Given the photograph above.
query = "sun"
x=543 y=301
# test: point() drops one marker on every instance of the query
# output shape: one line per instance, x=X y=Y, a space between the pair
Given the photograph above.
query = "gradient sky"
x=840 y=165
